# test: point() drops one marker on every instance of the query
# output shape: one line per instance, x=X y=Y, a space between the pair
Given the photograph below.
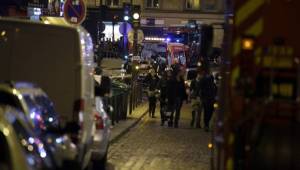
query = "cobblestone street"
x=150 y=146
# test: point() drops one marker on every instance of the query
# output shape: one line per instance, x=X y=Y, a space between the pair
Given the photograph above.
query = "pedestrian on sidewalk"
x=152 y=80
x=196 y=100
x=208 y=91
x=166 y=75
x=176 y=94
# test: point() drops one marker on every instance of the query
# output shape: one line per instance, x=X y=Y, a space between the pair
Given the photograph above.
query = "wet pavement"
x=149 y=146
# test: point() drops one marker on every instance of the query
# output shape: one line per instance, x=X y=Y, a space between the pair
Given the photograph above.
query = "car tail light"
x=99 y=121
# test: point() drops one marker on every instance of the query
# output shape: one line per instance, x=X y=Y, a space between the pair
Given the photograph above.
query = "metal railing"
x=125 y=101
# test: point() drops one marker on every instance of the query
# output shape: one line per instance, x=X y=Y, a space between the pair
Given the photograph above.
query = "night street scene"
x=149 y=85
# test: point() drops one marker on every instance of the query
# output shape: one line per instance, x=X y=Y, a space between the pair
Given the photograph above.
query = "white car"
x=102 y=135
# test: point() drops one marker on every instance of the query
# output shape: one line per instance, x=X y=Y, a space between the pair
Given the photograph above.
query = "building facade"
x=166 y=13
x=159 y=15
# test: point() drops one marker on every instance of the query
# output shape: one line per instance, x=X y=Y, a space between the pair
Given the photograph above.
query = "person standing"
x=152 y=80
x=176 y=94
x=163 y=82
x=196 y=101
x=208 y=91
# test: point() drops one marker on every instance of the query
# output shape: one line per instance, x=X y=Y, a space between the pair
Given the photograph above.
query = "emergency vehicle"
x=258 y=112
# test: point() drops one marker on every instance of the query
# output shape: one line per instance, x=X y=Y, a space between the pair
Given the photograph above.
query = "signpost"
x=74 y=11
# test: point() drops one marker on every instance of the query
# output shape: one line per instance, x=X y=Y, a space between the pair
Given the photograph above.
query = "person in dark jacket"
x=163 y=82
x=152 y=80
x=208 y=90
x=196 y=100
x=176 y=94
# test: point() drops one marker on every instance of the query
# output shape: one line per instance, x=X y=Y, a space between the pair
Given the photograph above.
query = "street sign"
x=140 y=36
x=125 y=28
x=74 y=11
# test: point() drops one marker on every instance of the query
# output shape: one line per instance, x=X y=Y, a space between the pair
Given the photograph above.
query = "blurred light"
x=216 y=105
x=14 y=91
x=58 y=140
x=30 y=148
x=5 y=131
x=126 y=18
x=136 y=16
x=41 y=145
x=177 y=40
x=210 y=145
x=126 y=57
x=30 y=160
x=46 y=22
x=37 y=11
x=43 y=154
x=247 y=44
x=49 y=140
x=31 y=140
x=168 y=39
x=199 y=64
x=177 y=32
x=38 y=117
x=32 y=115
x=20 y=97
x=23 y=142
x=3 y=33
x=137 y=67
x=50 y=119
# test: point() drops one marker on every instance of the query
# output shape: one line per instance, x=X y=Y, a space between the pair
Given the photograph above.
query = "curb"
x=127 y=129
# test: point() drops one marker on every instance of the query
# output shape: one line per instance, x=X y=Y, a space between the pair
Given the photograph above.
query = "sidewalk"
x=124 y=126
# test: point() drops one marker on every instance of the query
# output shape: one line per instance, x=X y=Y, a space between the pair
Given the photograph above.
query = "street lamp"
x=136 y=16
x=126 y=18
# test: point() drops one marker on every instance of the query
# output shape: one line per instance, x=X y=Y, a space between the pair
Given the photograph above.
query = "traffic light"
x=127 y=12
x=136 y=16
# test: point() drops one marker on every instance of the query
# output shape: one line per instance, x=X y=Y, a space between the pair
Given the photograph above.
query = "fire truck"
x=258 y=111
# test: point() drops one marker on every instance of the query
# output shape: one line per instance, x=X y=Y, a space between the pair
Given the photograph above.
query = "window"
x=152 y=3
x=112 y=2
x=193 y=4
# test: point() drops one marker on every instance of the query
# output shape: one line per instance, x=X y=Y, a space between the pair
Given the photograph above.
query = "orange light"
x=210 y=145
x=247 y=44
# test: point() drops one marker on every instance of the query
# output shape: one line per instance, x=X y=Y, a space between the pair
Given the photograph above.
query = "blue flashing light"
x=126 y=57
x=168 y=39
x=177 y=40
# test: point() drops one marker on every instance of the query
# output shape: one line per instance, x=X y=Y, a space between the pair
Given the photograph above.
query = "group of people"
x=170 y=90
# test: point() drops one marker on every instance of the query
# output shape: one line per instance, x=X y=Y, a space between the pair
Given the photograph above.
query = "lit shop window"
x=193 y=4
x=152 y=3
x=113 y=3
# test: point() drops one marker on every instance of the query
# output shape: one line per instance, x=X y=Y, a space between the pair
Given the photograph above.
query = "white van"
x=59 y=58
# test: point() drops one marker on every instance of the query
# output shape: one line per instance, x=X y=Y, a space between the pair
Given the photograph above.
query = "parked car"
x=102 y=135
x=20 y=148
x=42 y=118
x=59 y=58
